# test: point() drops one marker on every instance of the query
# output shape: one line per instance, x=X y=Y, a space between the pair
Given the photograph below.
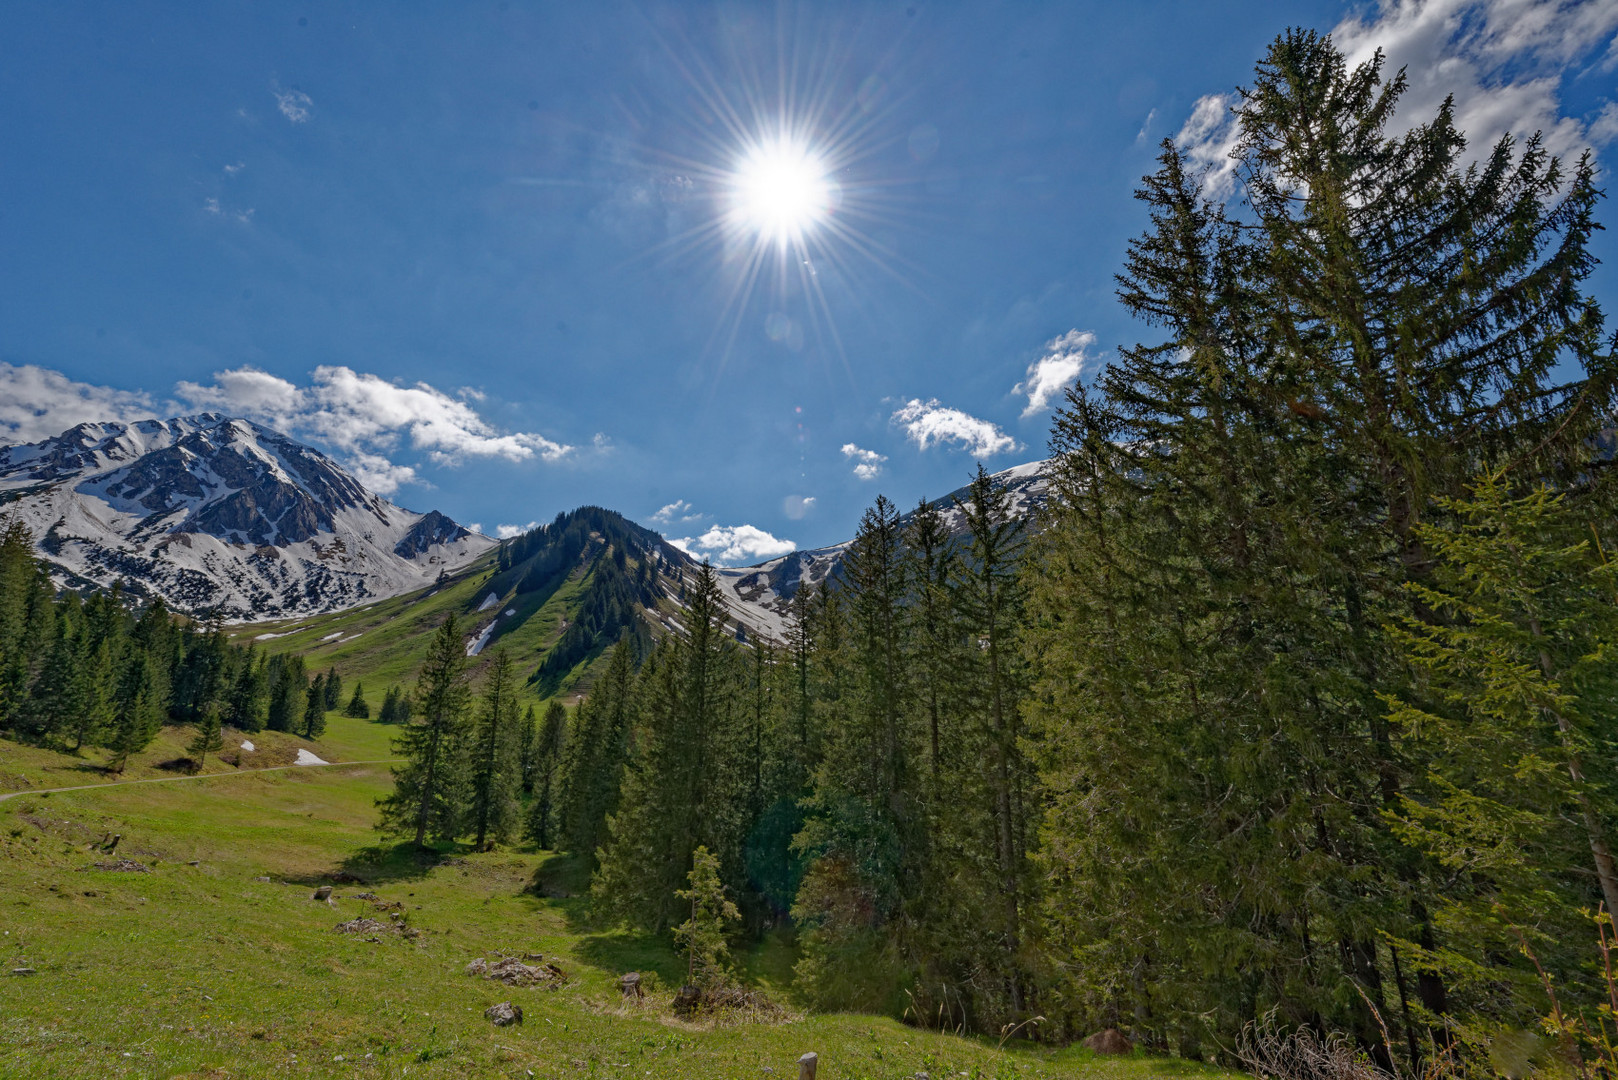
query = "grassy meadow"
x=218 y=962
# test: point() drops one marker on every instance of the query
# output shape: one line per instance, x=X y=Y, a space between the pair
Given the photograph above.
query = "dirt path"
x=200 y=776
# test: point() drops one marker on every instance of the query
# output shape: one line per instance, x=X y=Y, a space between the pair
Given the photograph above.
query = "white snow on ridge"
x=228 y=517
x=306 y=758
x=488 y=602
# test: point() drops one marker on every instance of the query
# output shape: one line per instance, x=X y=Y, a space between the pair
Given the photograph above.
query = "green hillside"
x=555 y=598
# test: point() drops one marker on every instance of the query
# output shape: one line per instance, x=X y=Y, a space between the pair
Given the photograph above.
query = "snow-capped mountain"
x=215 y=514
x=760 y=596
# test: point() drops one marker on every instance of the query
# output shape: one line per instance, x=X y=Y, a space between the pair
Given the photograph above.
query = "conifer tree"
x=685 y=786
x=334 y=689
x=314 y=709
x=494 y=764
x=1516 y=809
x=593 y=762
x=288 y=692
x=712 y=914
x=139 y=712
x=548 y=747
x=527 y=745
x=208 y=738
x=358 y=707
x=427 y=783
x=1238 y=507
x=245 y=702
x=932 y=634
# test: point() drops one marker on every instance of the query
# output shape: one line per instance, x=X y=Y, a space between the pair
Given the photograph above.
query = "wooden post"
x=807 y=1065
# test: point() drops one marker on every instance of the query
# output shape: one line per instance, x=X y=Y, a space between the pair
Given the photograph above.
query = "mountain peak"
x=219 y=513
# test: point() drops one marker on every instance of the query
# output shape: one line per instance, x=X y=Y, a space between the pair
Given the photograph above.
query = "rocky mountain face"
x=220 y=515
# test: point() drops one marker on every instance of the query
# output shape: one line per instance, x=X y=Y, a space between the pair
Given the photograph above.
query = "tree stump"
x=630 y=985
x=807 y=1066
x=322 y=893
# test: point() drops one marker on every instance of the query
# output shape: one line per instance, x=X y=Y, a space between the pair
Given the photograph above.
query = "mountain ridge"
x=220 y=515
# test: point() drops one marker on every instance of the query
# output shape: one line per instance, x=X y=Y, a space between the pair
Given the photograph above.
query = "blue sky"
x=489 y=255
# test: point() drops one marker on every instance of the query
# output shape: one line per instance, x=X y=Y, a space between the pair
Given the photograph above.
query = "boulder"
x=1109 y=1041
x=504 y=1014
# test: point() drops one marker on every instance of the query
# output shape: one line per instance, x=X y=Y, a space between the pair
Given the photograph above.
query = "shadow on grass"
x=564 y=880
x=632 y=950
x=382 y=864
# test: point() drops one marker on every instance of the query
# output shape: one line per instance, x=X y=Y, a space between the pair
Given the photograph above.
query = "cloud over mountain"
x=731 y=545
x=366 y=418
x=1052 y=373
x=37 y=403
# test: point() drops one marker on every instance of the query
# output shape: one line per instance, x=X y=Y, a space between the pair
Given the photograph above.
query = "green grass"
x=207 y=971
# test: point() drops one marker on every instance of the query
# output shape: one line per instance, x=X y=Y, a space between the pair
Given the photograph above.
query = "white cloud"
x=797 y=507
x=211 y=205
x=929 y=422
x=867 y=463
x=1503 y=60
x=677 y=511
x=37 y=403
x=1145 y=127
x=506 y=532
x=294 y=104
x=1052 y=373
x=366 y=417
x=232 y=170
x=734 y=545
x=475 y=527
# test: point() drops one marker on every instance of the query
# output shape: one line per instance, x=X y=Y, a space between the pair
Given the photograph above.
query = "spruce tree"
x=593 y=762
x=208 y=738
x=494 y=764
x=357 y=706
x=314 y=709
x=138 y=714
x=334 y=689
x=548 y=747
x=712 y=915
x=1516 y=808
x=527 y=745
x=427 y=783
x=1238 y=507
x=685 y=786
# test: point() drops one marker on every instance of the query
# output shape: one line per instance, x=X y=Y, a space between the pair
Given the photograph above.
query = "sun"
x=781 y=189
